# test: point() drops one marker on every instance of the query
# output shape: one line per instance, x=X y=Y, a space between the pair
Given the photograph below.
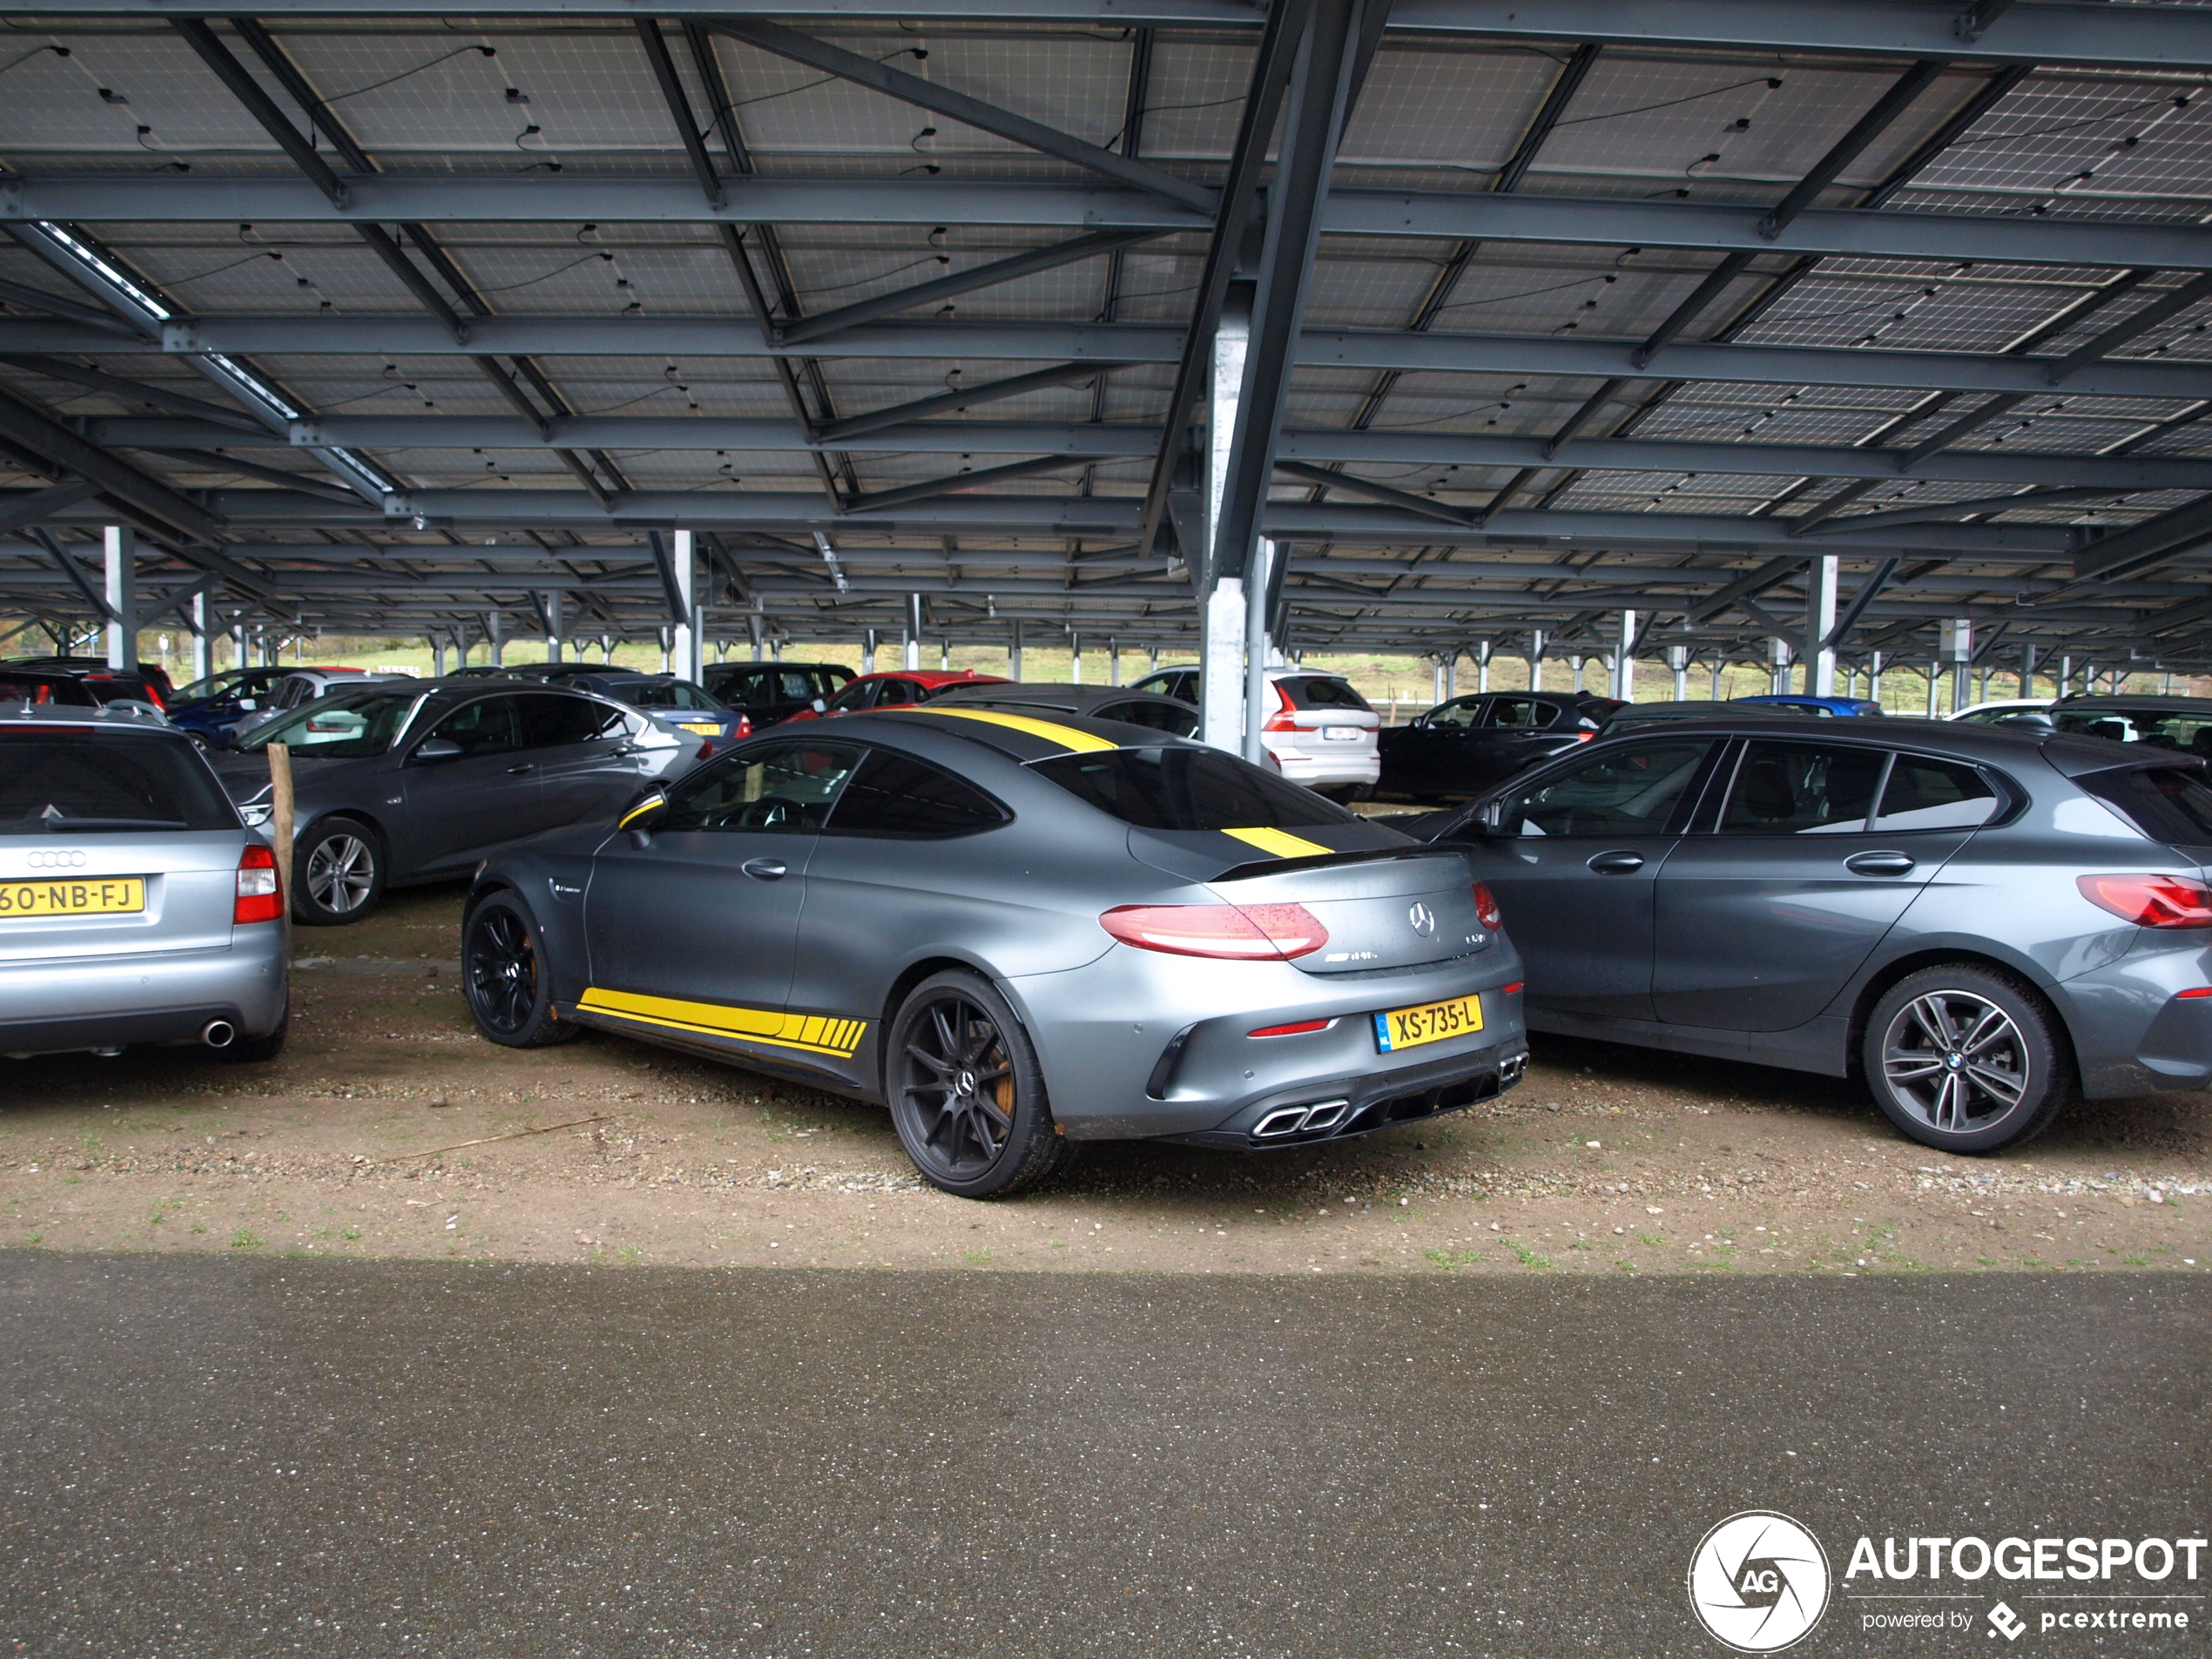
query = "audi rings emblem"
x=55 y=860
x=1424 y=919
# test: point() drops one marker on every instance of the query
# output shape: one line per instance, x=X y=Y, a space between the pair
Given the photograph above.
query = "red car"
x=900 y=689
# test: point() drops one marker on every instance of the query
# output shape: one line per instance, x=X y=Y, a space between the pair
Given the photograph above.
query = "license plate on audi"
x=1430 y=1022
x=102 y=896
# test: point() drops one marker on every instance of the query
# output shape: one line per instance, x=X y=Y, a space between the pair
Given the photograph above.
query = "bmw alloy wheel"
x=342 y=874
x=1955 y=1060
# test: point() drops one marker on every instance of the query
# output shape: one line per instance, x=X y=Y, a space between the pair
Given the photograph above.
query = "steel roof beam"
x=1565 y=220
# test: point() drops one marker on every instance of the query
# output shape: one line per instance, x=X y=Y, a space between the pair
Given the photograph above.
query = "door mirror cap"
x=639 y=816
x=1482 y=823
x=820 y=706
x=431 y=751
x=248 y=705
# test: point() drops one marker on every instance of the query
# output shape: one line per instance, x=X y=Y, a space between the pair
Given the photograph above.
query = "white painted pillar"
x=1014 y=652
x=1821 y=579
x=1258 y=704
x=1578 y=661
x=753 y=629
x=1536 y=659
x=556 y=622
x=945 y=656
x=1678 y=659
x=1221 y=681
x=437 y=657
x=912 y=633
x=666 y=655
x=1720 y=668
x=203 y=638
x=492 y=640
x=685 y=641
x=1935 y=678
x=1075 y=658
x=1113 y=660
x=1452 y=675
x=1874 y=679
x=2065 y=674
x=867 y=652
x=1958 y=646
x=1781 y=678
x=1436 y=694
x=120 y=544
x=1482 y=665
x=2028 y=673
x=1624 y=669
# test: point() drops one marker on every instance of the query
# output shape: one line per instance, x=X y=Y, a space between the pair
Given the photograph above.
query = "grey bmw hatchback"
x=1018 y=932
x=134 y=905
x=1981 y=923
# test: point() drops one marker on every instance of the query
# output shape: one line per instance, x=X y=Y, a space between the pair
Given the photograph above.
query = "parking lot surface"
x=239 y=1456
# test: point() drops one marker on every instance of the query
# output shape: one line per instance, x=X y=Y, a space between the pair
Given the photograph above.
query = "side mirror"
x=248 y=705
x=431 y=751
x=822 y=705
x=639 y=816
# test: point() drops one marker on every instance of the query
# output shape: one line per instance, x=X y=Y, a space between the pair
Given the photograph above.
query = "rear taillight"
x=1485 y=907
x=1285 y=716
x=1242 y=932
x=1298 y=1026
x=1513 y=989
x=2193 y=993
x=154 y=696
x=258 y=898
x=2150 y=901
x=745 y=726
x=706 y=748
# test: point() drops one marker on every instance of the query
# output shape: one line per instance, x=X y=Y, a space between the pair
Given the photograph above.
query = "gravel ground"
x=389 y=1129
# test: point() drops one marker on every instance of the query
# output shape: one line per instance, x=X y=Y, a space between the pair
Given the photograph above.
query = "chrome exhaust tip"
x=219 y=1034
x=1277 y=1124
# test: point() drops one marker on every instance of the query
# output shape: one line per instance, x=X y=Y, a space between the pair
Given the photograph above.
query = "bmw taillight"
x=1240 y=933
x=2150 y=901
x=1485 y=907
x=258 y=898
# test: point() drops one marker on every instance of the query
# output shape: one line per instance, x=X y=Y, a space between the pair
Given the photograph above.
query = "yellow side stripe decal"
x=1279 y=842
x=1066 y=736
x=822 y=1034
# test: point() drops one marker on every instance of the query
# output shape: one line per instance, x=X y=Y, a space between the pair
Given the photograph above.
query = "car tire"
x=337 y=873
x=253 y=1051
x=1966 y=1059
x=967 y=1096
x=504 y=974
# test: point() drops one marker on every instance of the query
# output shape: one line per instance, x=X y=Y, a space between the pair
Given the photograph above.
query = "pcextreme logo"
x=1759 y=1582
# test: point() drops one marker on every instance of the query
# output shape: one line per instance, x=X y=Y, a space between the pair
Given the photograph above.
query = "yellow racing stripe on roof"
x=1282 y=844
x=1066 y=736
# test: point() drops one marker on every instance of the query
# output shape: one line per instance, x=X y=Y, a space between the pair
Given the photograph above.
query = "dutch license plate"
x=1340 y=734
x=1431 y=1023
x=106 y=896
x=703 y=731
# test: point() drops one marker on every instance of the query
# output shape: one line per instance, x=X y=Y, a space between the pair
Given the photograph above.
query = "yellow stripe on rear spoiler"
x=1282 y=844
x=1066 y=736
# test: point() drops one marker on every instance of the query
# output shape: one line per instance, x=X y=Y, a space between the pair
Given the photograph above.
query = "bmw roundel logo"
x=1424 y=919
x=55 y=860
x=1758 y=1582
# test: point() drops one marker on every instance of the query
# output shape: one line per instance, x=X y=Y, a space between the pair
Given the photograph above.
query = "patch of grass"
x=198 y=1227
x=1653 y=1240
x=1452 y=1257
x=351 y=1232
x=976 y=1258
x=1528 y=1257
x=2135 y=1261
x=244 y=1239
x=628 y=1253
x=1626 y=1267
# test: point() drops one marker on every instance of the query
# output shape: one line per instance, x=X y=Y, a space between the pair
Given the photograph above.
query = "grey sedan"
x=134 y=905
x=1980 y=922
x=419 y=780
x=1019 y=931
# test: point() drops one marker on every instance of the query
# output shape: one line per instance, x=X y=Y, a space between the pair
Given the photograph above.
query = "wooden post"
x=280 y=822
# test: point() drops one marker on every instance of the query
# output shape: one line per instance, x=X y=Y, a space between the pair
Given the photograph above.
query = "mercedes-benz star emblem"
x=1424 y=919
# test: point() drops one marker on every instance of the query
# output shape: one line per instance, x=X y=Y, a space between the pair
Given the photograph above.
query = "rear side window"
x=1188 y=789
x=1802 y=789
x=896 y=795
x=1176 y=719
x=1934 y=795
x=63 y=692
x=1319 y=693
x=67 y=783
x=549 y=720
x=1524 y=713
x=2170 y=804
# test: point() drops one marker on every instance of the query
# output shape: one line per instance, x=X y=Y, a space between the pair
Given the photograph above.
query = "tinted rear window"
x=66 y=783
x=896 y=795
x=1188 y=789
x=1320 y=693
x=38 y=688
x=2170 y=804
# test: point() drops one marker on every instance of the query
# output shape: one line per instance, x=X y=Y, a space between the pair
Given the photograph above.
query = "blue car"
x=208 y=710
x=676 y=704
x=1820 y=707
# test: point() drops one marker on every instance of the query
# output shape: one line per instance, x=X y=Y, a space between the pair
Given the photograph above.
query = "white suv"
x=1320 y=732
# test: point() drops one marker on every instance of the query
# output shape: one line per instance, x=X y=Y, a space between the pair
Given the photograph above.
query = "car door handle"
x=1617 y=863
x=766 y=869
x=1879 y=864
x=525 y=766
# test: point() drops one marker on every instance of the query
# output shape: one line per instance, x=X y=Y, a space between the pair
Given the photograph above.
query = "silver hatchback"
x=135 y=905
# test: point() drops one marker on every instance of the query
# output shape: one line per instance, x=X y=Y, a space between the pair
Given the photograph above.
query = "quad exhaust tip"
x=1293 y=1120
x=219 y=1034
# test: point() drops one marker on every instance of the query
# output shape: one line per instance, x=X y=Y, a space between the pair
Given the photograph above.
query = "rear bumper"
x=1139 y=1044
x=1338 y=1109
x=1358 y=767
x=2133 y=1033
x=48 y=1008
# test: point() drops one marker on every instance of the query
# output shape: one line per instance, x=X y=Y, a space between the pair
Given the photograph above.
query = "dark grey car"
x=1123 y=704
x=1018 y=932
x=416 y=781
x=1979 y=921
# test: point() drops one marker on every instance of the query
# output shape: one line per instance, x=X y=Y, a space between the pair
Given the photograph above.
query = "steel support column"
x=120 y=544
x=1822 y=579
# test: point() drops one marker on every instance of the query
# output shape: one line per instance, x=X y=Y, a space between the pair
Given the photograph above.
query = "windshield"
x=1188 y=789
x=69 y=781
x=350 y=726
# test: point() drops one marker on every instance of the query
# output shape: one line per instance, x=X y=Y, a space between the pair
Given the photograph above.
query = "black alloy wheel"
x=337 y=873
x=502 y=975
x=1965 y=1059
x=966 y=1095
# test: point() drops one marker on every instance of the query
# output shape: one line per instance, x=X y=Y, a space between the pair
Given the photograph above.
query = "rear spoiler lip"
x=1330 y=860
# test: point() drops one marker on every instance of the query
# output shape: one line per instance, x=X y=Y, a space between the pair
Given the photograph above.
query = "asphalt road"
x=218 y=1456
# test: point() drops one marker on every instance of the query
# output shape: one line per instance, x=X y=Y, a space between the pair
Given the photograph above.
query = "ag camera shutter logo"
x=1759 y=1582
